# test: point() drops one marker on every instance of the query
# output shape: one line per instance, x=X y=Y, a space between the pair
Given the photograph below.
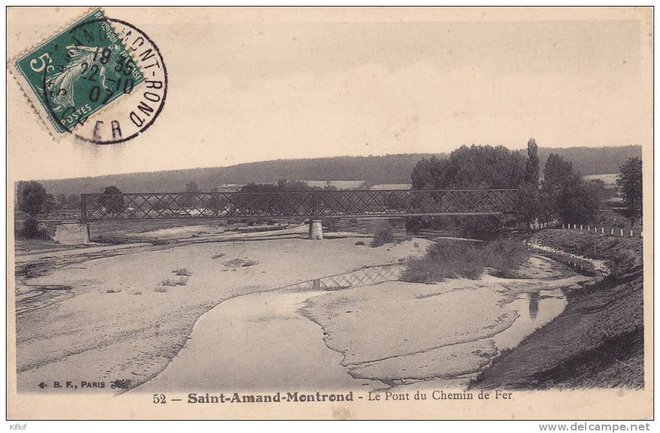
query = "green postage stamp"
x=74 y=77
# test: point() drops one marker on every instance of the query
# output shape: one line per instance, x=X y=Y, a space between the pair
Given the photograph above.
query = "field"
x=608 y=178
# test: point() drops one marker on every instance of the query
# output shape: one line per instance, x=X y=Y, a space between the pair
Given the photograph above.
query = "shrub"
x=241 y=263
x=504 y=257
x=171 y=283
x=485 y=227
x=359 y=243
x=383 y=236
x=32 y=230
x=168 y=282
x=182 y=272
x=465 y=259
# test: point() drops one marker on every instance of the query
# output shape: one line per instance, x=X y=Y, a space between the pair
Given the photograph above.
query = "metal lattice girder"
x=359 y=278
x=297 y=204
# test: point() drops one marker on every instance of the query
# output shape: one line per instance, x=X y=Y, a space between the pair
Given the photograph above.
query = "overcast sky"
x=272 y=88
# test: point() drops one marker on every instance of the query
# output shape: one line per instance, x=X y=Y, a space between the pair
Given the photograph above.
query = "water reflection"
x=359 y=278
x=533 y=304
x=535 y=309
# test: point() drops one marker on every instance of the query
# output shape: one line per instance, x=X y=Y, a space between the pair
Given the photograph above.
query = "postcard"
x=330 y=213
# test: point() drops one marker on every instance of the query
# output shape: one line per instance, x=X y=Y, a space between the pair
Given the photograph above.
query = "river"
x=304 y=336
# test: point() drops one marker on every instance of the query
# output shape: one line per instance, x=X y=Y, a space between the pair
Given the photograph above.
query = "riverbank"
x=598 y=341
x=127 y=315
x=257 y=313
x=439 y=334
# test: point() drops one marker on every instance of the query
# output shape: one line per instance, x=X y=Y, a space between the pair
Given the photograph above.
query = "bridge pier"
x=72 y=233
x=315 y=229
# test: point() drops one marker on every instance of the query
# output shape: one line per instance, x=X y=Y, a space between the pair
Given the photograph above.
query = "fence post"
x=631 y=234
x=602 y=230
x=621 y=232
x=581 y=226
x=611 y=232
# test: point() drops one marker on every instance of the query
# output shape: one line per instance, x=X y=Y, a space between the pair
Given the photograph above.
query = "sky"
x=253 y=85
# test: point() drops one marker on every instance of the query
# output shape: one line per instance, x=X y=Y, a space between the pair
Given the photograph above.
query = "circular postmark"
x=110 y=85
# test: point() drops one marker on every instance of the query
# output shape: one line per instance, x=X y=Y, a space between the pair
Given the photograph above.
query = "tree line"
x=561 y=195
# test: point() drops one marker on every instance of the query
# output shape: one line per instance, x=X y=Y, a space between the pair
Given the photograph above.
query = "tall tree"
x=73 y=201
x=528 y=206
x=486 y=167
x=61 y=201
x=471 y=167
x=32 y=198
x=111 y=200
x=432 y=173
x=188 y=201
x=630 y=182
x=474 y=167
x=557 y=172
x=532 y=165
x=569 y=197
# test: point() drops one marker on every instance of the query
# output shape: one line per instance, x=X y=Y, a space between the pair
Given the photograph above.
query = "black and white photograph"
x=329 y=213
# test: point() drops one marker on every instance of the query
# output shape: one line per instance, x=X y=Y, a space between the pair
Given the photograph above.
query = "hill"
x=388 y=169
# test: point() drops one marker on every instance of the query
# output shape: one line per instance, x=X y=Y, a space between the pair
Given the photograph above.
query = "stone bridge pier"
x=72 y=233
x=315 y=229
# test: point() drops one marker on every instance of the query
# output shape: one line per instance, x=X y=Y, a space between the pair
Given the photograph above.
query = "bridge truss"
x=297 y=204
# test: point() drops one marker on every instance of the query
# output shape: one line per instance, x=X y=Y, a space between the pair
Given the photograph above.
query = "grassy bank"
x=456 y=259
x=598 y=340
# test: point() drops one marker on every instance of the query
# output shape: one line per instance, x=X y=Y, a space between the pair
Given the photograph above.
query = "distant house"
x=229 y=187
x=339 y=184
x=387 y=186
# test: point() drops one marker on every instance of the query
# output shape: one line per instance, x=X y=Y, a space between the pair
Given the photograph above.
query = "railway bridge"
x=312 y=205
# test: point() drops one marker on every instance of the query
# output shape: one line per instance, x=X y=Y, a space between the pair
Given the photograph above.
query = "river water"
x=265 y=341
